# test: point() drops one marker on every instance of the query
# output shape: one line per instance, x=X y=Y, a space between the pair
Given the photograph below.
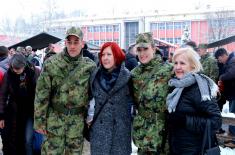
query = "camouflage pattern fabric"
x=210 y=67
x=52 y=91
x=54 y=145
x=150 y=91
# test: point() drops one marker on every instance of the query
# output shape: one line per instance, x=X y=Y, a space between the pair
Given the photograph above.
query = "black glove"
x=176 y=120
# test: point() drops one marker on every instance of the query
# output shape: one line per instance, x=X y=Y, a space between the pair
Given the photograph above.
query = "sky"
x=11 y=9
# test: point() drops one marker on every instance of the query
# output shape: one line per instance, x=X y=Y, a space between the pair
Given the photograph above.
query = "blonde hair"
x=192 y=57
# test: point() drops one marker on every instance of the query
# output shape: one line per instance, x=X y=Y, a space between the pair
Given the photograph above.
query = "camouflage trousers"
x=56 y=145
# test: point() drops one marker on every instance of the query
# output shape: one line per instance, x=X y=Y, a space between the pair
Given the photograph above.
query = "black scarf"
x=108 y=79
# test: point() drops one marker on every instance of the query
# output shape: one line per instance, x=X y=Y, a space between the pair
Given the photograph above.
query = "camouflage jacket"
x=150 y=91
x=210 y=67
x=52 y=90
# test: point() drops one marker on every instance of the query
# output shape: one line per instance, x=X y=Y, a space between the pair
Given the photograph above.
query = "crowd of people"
x=162 y=105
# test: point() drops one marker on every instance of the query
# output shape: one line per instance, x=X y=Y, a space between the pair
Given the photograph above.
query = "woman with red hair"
x=111 y=126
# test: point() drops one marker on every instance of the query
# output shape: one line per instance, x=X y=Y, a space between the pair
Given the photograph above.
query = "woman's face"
x=107 y=59
x=145 y=54
x=18 y=71
x=181 y=66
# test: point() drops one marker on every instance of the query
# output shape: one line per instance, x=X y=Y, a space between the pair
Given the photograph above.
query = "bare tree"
x=221 y=24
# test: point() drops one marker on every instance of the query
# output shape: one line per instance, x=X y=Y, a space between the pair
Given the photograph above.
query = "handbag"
x=207 y=139
x=86 y=129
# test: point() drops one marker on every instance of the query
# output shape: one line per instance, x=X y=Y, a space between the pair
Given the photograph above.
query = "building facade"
x=167 y=27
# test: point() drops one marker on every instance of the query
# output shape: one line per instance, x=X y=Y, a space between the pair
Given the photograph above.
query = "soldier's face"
x=74 y=45
x=145 y=54
x=201 y=51
x=181 y=66
x=107 y=59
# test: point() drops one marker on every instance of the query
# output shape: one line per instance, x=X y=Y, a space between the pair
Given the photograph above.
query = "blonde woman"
x=190 y=104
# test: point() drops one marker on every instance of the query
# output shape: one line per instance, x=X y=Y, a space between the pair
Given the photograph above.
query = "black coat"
x=228 y=78
x=131 y=61
x=111 y=132
x=187 y=139
x=17 y=93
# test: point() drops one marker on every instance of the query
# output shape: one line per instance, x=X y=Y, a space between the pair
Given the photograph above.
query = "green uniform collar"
x=68 y=58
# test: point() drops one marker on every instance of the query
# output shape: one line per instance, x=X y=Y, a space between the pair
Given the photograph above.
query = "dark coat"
x=228 y=78
x=187 y=139
x=16 y=107
x=18 y=91
x=131 y=61
x=111 y=132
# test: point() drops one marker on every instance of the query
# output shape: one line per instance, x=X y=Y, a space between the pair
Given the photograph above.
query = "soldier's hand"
x=2 y=124
x=44 y=132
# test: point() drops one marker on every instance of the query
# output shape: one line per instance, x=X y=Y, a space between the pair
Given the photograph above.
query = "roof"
x=221 y=42
x=38 y=41
x=162 y=42
x=92 y=46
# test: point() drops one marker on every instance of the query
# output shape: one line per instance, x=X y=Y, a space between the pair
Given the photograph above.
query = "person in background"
x=150 y=90
x=111 y=88
x=131 y=61
x=35 y=59
x=209 y=63
x=4 y=61
x=49 y=52
x=87 y=53
x=226 y=81
x=21 y=50
x=12 y=51
x=191 y=44
x=191 y=103
x=17 y=106
x=62 y=97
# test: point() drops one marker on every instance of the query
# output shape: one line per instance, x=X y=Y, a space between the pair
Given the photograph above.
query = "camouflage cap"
x=203 y=46
x=144 y=39
x=73 y=31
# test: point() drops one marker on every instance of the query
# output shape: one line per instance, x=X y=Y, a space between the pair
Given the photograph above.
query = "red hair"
x=118 y=54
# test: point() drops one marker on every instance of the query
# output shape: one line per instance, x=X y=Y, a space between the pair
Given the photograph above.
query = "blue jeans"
x=232 y=110
x=29 y=136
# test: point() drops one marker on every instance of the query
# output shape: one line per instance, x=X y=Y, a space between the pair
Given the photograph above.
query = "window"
x=102 y=42
x=169 y=25
x=109 y=39
x=169 y=40
x=116 y=40
x=90 y=29
x=161 y=26
x=177 y=41
x=109 y=28
x=91 y=41
x=102 y=28
x=177 y=25
x=115 y=28
x=97 y=42
x=153 y=26
x=96 y=29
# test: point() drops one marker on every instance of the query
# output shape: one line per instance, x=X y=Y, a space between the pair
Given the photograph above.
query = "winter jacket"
x=187 y=139
x=228 y=78
x=17 y=93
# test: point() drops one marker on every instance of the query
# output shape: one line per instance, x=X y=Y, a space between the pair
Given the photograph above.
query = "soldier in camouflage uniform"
x=61 y=98
x=150 y=90
x=209 y=63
